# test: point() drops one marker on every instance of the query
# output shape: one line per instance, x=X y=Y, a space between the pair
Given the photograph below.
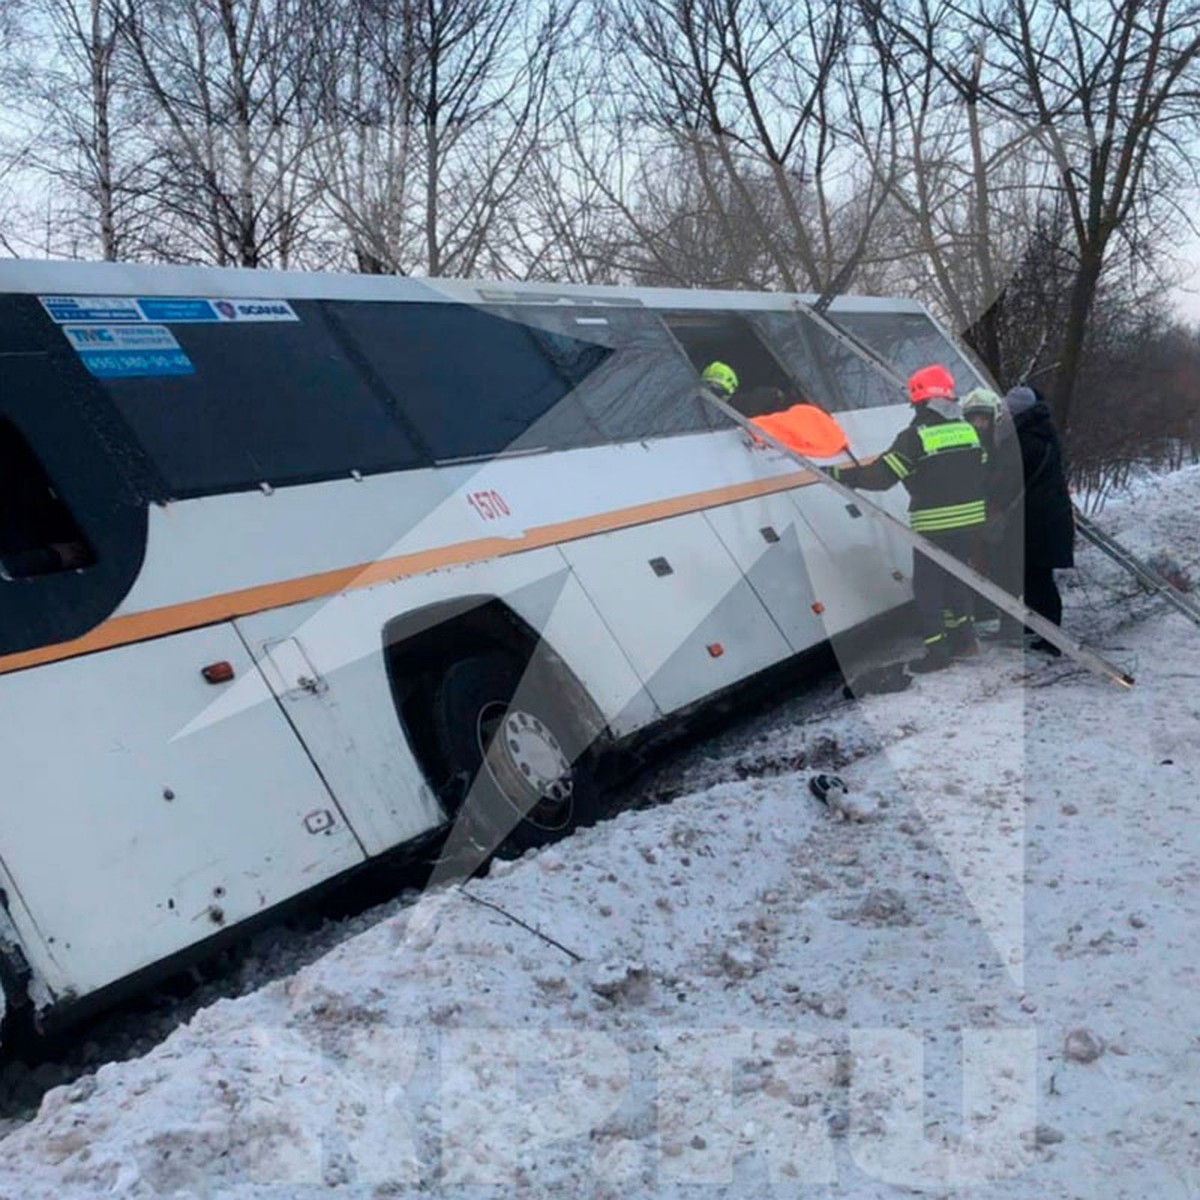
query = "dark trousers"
x=1041 y=592
x=999 y=558
x=943 y=602
x=1006 y=567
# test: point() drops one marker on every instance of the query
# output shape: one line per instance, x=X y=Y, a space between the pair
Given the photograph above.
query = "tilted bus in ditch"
x=287 y=558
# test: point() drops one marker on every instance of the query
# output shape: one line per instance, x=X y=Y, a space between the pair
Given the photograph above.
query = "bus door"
x=851 y=559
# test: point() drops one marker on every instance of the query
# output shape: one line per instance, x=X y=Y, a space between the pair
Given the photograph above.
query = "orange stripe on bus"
x=192 y=614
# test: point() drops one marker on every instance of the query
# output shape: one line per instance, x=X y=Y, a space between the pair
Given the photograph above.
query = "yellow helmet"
x=982 y=399
x=721 y=376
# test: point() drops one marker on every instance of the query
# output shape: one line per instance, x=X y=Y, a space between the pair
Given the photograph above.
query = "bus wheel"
x=513 y=760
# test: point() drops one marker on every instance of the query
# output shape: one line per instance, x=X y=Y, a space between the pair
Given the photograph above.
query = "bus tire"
x=517 y=774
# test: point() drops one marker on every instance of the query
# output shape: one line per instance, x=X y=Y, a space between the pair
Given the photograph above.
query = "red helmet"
x=931 y=383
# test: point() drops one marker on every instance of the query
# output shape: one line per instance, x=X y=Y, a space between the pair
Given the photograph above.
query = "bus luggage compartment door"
x=766 y=537
x=679 y=606
x=139 y=818
x=324 y=661
x=853 y=561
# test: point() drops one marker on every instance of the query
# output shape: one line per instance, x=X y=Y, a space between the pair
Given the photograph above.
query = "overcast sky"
x=1187 y=295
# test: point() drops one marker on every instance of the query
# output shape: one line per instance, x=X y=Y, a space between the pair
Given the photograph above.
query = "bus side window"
x=643 y=387
x=764 y=386
x=38 y=534
x=908 y=341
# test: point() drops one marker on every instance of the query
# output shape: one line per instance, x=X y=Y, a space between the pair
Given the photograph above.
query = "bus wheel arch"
x=443 y=659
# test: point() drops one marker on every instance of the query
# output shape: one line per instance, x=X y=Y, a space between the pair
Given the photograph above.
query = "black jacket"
x=1049 y=514
x=940 y=461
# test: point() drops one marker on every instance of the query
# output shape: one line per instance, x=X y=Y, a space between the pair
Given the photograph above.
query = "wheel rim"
x=527 y=763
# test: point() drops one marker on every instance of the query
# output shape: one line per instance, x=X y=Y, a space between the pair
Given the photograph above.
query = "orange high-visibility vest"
x=806 y=429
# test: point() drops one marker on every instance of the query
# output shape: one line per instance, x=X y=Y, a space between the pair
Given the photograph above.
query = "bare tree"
x=770 y=105
x=969 y=191
x=15 y=137
x=363 y=160
x=568 y=231
x=227 y=81
x=91 y=144
x=1109 y=91
x=433 y=111
x=1139 y=361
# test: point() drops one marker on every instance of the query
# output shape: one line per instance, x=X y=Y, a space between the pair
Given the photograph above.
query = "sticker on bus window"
x=196 y=310
x=128 y=351
x=166 y=310
x=244 y=311
x=182 y=310
x=64 y=310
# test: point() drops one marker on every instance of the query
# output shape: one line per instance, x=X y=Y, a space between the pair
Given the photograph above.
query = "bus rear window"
x=38 y=534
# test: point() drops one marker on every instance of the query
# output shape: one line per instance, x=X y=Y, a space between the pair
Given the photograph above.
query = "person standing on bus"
x=940 y=461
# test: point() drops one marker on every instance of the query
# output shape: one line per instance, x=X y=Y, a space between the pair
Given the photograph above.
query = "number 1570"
x=491 y=506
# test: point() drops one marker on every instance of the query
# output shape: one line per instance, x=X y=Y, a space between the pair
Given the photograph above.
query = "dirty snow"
x=982 y=985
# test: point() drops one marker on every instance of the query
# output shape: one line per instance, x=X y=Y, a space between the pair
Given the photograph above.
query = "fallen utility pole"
x=1145 y=574
x=1105 y=543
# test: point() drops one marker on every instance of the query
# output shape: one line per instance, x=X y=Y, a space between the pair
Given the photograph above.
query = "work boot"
x=937 y=657
x=1045 y=647
x=962 y=642
x=1011 y=632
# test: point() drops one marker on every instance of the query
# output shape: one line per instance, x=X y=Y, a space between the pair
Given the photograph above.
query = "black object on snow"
x=822 y=786
x=891 y=677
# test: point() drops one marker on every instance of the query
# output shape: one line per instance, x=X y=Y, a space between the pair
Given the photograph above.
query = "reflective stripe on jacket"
x=940 y=461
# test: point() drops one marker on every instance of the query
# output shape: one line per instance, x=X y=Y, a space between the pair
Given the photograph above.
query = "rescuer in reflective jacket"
x=939 y=459
x=723 y=380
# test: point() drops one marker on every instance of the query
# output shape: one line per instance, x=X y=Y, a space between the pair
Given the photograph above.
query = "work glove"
x=834 y=473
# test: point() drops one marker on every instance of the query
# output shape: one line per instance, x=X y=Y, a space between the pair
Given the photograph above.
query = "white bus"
x=279 y=551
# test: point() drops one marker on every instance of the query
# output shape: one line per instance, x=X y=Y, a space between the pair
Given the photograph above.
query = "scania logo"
x=263 y=310
x=227 y=310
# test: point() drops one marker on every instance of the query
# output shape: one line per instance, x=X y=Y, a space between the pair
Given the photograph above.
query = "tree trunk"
x=1083 y=295
x=100 y=55
x=249 y=252
x=984 y=338
x=432 y=184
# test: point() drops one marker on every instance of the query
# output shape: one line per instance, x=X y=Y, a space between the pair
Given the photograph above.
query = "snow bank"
x=985 y=988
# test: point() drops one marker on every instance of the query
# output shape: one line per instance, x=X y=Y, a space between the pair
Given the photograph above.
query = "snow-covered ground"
x=978 y=981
